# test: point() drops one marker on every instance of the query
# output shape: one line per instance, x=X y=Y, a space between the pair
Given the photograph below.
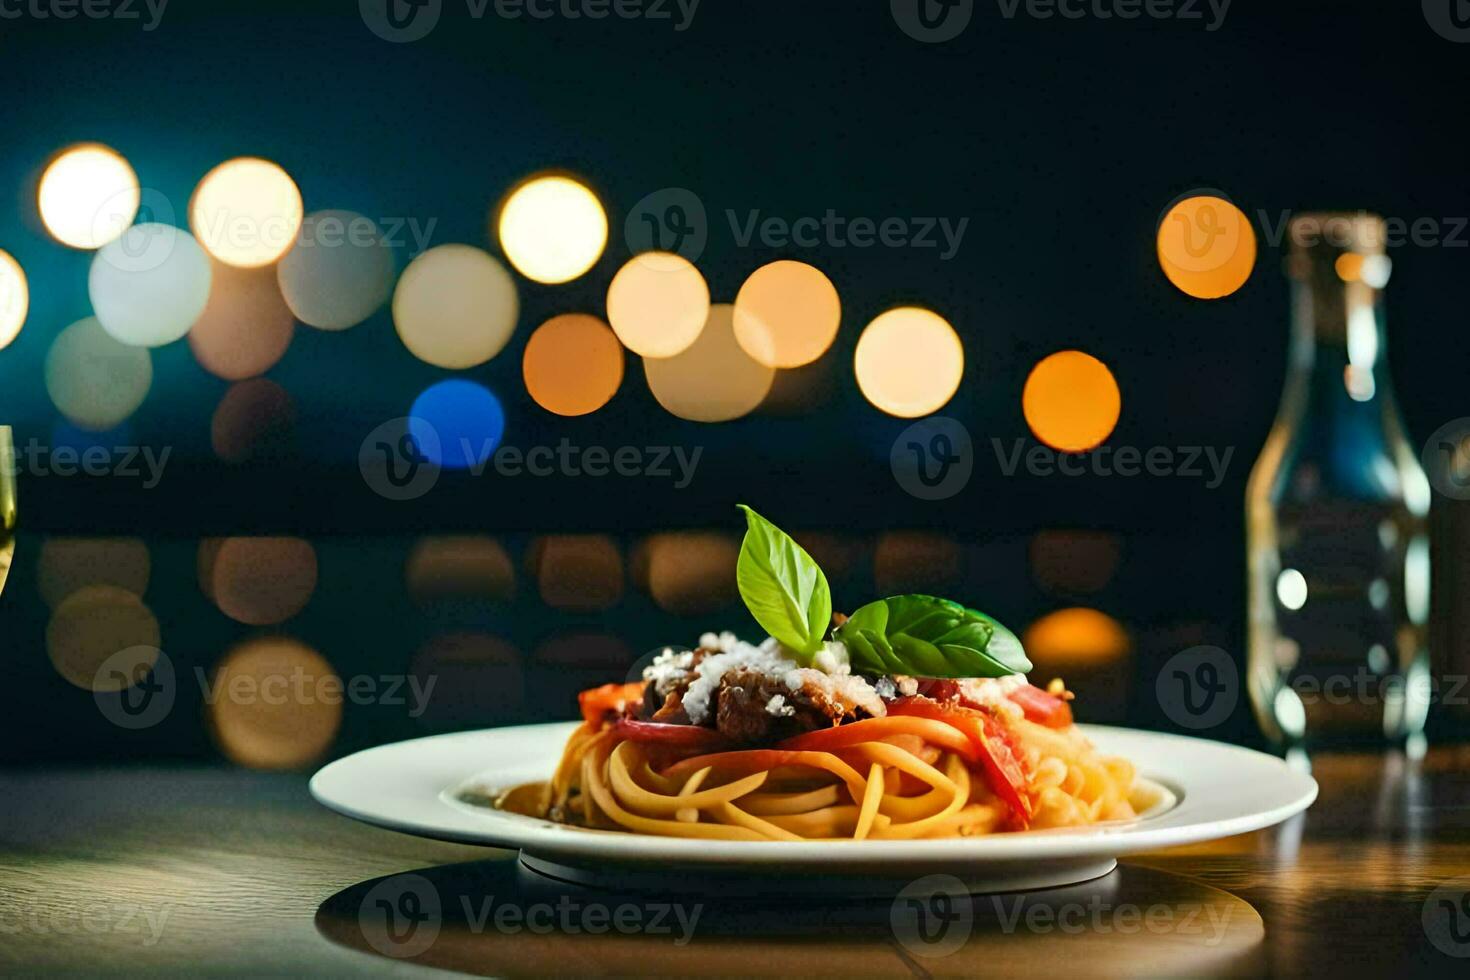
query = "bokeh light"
x=88 y=196
x=552 y=229
x=577 y=572
x=15 y=299
x=909 y=362
x=689 y=573
x=466 y=419
x=204 y=564
x=657 y=304
x=277 y=704
x=1075 y=636
x=149 y=286
x=254 y=420
x=68 y=565
x=92 y=625
x=839 y=555
x=478 y=679
x=573 y=364
x=1075 y=561
x=1291 y=589
x=786 y=314
x=1071 y=401
x=1206 y=246
x=1349 y=266
x=455 y=306
x=339 y=272
x=605 y=655
x=246 y=212
x=258 y=581
x=95 y=380
x=916 y=561
x=713 y=380
x=459 y=567
x=245 y=327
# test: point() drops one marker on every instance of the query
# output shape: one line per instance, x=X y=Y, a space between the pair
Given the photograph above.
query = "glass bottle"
x=7 y=502
x=1336 y=514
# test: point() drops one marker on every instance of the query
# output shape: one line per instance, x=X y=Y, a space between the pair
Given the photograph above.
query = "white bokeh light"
x=339 y=272
x=1291 y=588
x=553 y=229
x=93 y=379
x=455 y=306
x=246 y=212
x=88 y=196
x=149 y=286
x=15 y=299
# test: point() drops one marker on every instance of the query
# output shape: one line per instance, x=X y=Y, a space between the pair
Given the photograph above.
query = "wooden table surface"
x=211 y=871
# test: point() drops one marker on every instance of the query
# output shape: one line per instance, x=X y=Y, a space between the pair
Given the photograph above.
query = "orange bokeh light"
x=577 y=572
x=1077 y=635
x=246 y=326
x=1071 y=401
x=1206 y=246
x=258 y=581
x=254 y=419
x=786 y=314
x=712 y=380
x=279 y=704
x=1349 y=266
x=657 y=304
x=573 y=364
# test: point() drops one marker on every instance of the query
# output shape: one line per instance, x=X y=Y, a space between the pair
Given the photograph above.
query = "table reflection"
x=499 y=918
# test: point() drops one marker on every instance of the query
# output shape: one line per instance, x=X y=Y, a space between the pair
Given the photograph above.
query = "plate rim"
x=1182 y=824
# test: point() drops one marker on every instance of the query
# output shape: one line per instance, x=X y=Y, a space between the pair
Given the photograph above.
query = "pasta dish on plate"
x=911 y=718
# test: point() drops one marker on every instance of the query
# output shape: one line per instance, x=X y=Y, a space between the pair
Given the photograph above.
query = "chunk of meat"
x=743 y=712
x=672 y=711
x=669 y=707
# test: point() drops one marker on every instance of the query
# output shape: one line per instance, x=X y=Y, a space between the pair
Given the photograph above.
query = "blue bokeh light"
x=467 y=419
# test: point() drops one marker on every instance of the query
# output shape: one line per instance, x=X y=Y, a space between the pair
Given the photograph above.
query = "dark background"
x=1062 y=141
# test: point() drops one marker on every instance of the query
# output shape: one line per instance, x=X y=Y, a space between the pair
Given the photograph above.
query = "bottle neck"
x=1338 y=269
x=1338 y=336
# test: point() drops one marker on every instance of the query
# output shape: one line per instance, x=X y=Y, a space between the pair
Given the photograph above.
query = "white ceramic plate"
x=1211 y=790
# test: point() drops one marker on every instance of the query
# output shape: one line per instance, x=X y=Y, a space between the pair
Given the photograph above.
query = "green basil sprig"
x=924 y=636
x=783 y=588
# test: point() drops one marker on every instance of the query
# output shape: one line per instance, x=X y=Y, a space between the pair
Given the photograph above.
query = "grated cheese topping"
x=734 y=655
x=668 y=669
x=770 y=659
x=992 y=692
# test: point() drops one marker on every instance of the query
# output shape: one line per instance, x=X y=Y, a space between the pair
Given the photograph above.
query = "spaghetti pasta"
x=821 y=734
x=899 y=777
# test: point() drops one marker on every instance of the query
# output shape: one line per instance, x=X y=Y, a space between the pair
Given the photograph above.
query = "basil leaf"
x=924 y=636
x=782 y=586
